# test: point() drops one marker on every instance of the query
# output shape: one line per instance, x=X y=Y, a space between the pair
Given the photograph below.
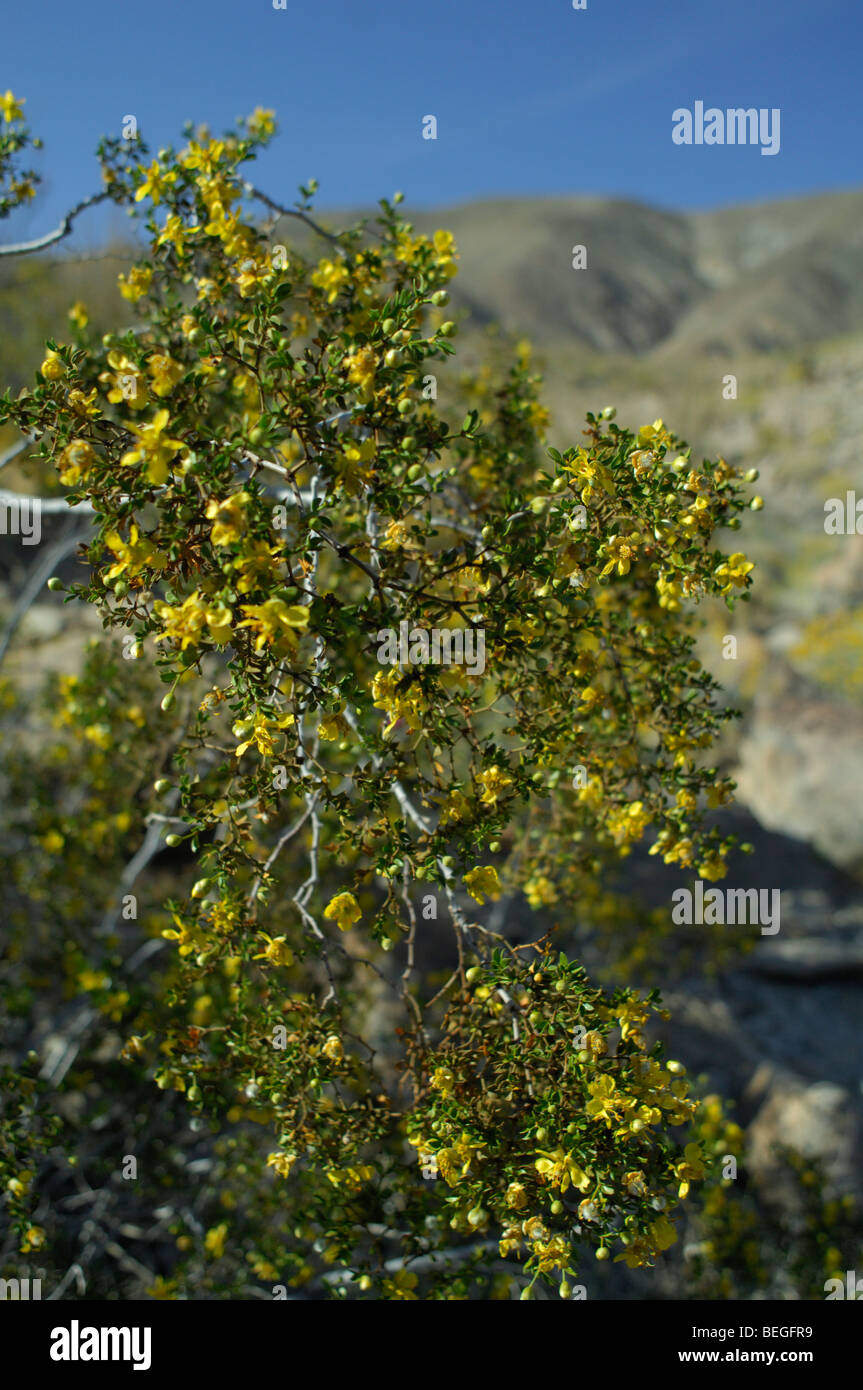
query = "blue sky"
x=531 y=96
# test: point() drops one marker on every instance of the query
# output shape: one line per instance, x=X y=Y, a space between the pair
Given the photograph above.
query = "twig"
x=23 y=248
x=55 y=553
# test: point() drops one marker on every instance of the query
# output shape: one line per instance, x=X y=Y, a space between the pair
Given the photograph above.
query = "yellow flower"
x=203 y=156
x=34 y=1239
x=282 y=1163
x=561 y=1170
x=154 y=448
x=401 y=1286
x=174 y=234
x=165 y=373
x=137 y=284
x=251 y=275
x=690 y=1169
x=590 y=473
x=93 y=979
x=554 y=1253
x=631 y=1015
x=78 y=314
x=184 y=622
x=362 y=366
x=261 y=122
x=628 y=822
x=133 y=555
x=670 y=593
x=516 y=1196
x=712 y=868
x=128 y=383
x=259 y=730
x=353 y=463
x=156 y=182
x=52 y=367
x=256 y=566
x=654 y=435
x=605 y=1101
x=214 y=1240
x=442 y=1080
x=495 y=781
x=275 y=623
x=261 y=1267
x=621 y=551
x=18 y=1186
x=332 y=727
x=459 y=1160
x=344 y=910
x=75 y=462
x=229 y=516
x=10 y=107
x=333 y=1049
x=219 y=622
x=85 y=405
x=540 y=891
x=330 y=276
x=734 y=571
x=277 y=952
x=400 y=699
x=455 y=808
x=662 y=1233
x=444 y=245
x=483 y=880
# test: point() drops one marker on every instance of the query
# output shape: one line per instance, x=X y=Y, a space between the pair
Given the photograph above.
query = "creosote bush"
x=272 y=496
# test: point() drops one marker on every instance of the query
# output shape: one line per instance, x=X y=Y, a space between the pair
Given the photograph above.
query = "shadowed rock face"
x=801 y=770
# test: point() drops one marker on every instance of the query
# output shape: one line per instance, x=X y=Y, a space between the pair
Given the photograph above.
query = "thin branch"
x=23 y=248
x=21 y=447
x=268 y=202
x=45 y=505
x=32 y=589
